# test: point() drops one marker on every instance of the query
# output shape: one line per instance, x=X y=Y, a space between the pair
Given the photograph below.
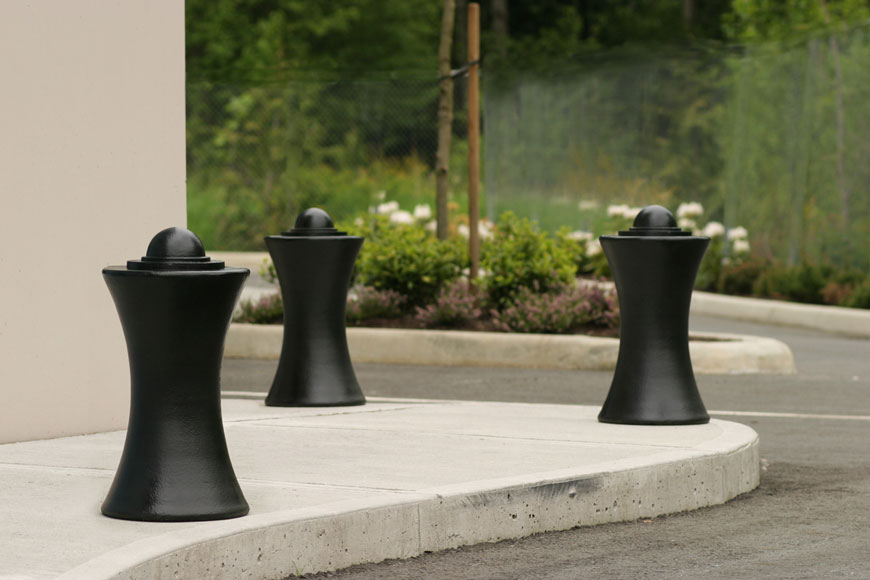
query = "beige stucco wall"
x=92 y=164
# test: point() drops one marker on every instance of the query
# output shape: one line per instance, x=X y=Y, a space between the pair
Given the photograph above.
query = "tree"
x=445 y=118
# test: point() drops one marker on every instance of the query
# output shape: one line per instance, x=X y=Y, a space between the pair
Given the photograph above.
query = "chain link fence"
x=772 y=138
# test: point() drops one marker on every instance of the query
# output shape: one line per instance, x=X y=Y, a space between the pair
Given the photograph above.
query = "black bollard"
x=175 y=306
x=314 y=262
x=654 y=266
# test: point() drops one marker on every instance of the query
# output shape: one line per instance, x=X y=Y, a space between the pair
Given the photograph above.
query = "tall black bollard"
x=314 y=262
x=654 y=266
x=175 y=306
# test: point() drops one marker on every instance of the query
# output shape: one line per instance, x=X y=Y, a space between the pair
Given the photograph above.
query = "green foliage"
x=229 y=39
x=408 y=260
x=739 y=279
x=783 y=20
x=237 y=218
x=520 y=255
x=802 y=283
x=859 y=297
x=575 y=247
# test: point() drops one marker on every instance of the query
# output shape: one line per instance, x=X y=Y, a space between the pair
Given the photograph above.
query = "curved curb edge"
x=271 y=546
x=719 y=354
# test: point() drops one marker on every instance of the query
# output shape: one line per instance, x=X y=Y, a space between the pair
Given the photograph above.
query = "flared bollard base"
x=273 y=402
x=181 y=515
x=325 y=380
x=628 y=419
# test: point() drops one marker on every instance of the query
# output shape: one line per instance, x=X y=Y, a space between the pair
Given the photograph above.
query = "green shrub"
x=576 y=248
x=739 y=278
x=710 y=271
x=521 y=256
x=802 y=283
x=860 y=296
x=408 y=260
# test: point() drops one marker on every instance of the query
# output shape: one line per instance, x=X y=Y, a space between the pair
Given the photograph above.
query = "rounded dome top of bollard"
x=314 y=222
x=175 y=249
x=655 y=220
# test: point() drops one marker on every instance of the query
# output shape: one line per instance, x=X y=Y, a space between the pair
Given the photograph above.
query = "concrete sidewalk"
x=332 y=487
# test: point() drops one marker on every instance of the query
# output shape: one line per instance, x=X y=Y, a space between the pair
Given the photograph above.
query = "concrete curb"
x=723 y=462
x=718 y=354
x=834 y=319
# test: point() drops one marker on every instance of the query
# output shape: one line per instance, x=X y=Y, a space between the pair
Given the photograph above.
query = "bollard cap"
x=314 y=222
x=175 y=249
x=655 y=220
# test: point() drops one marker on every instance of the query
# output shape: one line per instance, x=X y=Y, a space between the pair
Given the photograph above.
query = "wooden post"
x=473 y=139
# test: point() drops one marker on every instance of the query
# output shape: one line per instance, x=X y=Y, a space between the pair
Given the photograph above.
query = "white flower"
x=741 y=247
x=587 y=204
x=422 y=212
x=593 y=248
x=388 y=208
x=431 y=226
x=401 y=217
x=617 y=210
x=463 y=230
x=358 y=222
x=738 y=233
x=581 y=236
x=692 y=209
x=713 y=230
x=687 y=224
x=631 y=212
x=481 y=273
x=484 y=229
x=381 y=195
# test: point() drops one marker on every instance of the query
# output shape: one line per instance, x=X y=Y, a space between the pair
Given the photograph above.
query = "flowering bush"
x=559 y=310
x=267 y=310
x=455 y=305
x=365 y=302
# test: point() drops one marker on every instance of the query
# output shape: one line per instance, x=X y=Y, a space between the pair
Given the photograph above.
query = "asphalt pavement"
x=809 y=519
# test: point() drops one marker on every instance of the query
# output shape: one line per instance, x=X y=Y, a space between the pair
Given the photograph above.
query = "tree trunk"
x=841 y=122
x=500 y=29
x=841 y=134
x=445 y=119
x=688 y=15
x=585 y=11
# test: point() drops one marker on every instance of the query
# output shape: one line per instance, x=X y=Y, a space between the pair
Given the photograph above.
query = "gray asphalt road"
x=809 y=519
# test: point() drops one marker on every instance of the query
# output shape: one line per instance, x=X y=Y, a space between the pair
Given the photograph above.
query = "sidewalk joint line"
x=791 y=415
